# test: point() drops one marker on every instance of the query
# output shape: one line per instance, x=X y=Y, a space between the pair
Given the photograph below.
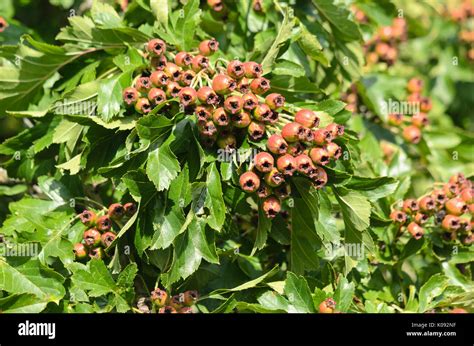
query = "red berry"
x=199 y=63
x=104 y=223
x=249 y=182
x=203 y=114
x=456 y=206
x=158 y=62
x=264 y=191
x=286 y=164
x=233 y=104
x=439 y=196
x=451 y=223
x=398 y=216
x=336 y=130
x=208 y=129
x=107 y=238
x=116 y=211
x=216 y=5
x=319 y=156
x=276 y=144
x=156 y=96
x=395 y=119
x=143 y=84
x=187 y=96
x=223 y=84
x=319 y=176
x=159 y=78
x=451 y=190
x=183 y=59
x=241 y=120
x=467 y=195
x=260 y=85
x=130 y=96
x=96 y=253
x=415 y=230
x=321 y=136
x=421 y=218
x=415 y=85
x=427 y=204
x=283 y=191
x=307 y=118
x=159 y=297
x=88 y=217
x=186 y=310
x=207 y=95
x=235 y=69
x=227 y=141
x=220 y=117
x=275 y=101
x=271 y=206
x=256 y=130
x=91 y=237
x=264 y=162
x=186 y=77
x=243 y=85
x=156 y=46
x=250 y=101
x=173 y=89
x=208 y=47
x=143 y=106
x=293 y=132
x=420 y=120
x=252 y=69
x=262 y=112
x=304 y=164
x=3 y=24
x=296 y=148
x=167 y=310
x=80 y=251
x=333 y=150
x=425 y=104
x=412 y=134
x=274 y=178
x=173 y=71
x=458 y=179
x=328 y=306
x=410 y=206
x=130 y=209
x=190 y=297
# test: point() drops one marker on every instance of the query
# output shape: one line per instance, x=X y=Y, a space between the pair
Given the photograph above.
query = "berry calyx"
x=427 y=204
x=187 y=96
x=249 y=182
x=319 y=156
x=159 y=297
x=220 y=117
x=104 y=224
x=264 y=162
x=250 y=101
x=97 y=253
x=275 y=101
x=398 y=216
x=233 y=104
x=143 y=106
x=271 y=206
x=116 y=211
x=91 y=237
x=130 y=96
x=276 y=144
x=207 y=95
x=130 y=209
x=256 y=130
x=156 y=96
x=328 y=306
x=260 y=85
x=410 y=206
x=235 y=69
x=156 y=47
x=80 y=251
x=451 y=223
x=183 y=59
x=159 y=79
x=87 y=217
x=415 y=230
x=252 y=69
x=286 y=164
x=107 y=239
x=274 y=178
x=208 y=47
x=143 y=84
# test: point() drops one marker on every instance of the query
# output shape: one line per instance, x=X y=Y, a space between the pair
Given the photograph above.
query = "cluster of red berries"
x=300 y=147
x=412 y=126
x=383 y=46
x=461 y=14
x=163 y=303
x=100 y=234
x=448 y=208
x=3 y=24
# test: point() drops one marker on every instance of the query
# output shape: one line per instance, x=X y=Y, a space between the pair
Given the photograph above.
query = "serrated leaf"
x=298 y=293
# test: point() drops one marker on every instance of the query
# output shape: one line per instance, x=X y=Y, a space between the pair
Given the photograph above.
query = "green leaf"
x=160 y=10
x=294 y=85
x=21 y=304
x=299 y=294
x=109 y=98
x=344 y=28
x=355 y=208
x=284 y=34
x=214 y=199
x=434 y=287
x=311 y=46
x=344 y=294
x=162 y=166
x=105 y=15
x=32 y=278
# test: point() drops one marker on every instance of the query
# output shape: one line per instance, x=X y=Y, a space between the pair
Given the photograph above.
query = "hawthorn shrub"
x=238 y=156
